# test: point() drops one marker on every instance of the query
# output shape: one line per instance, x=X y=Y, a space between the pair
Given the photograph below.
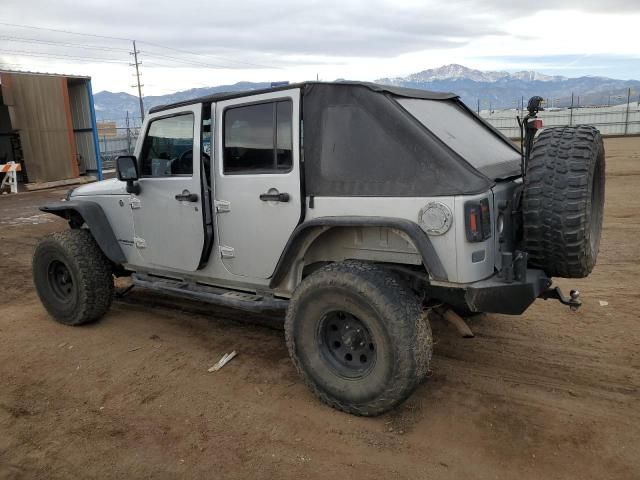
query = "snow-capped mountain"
x=460 y=72
x=492 y=89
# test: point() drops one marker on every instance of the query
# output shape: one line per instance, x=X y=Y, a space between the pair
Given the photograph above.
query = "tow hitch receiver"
x=573 y=301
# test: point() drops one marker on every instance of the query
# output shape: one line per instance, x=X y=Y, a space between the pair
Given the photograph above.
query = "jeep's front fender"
x=95 y=218
x=305 y=233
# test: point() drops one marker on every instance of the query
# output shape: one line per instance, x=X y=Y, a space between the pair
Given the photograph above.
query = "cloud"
x=297 y=39
x=334 y=28
x=520 y=8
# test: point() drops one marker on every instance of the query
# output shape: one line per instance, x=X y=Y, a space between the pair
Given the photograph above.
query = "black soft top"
x=361 y=139
x=397 y=91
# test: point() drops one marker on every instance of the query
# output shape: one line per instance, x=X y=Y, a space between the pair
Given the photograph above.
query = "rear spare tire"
x=563 y=201
x=358 y=337
x=72 y=276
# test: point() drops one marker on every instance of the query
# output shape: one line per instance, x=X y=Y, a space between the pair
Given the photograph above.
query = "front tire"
x=72 y=277
x=358 y=337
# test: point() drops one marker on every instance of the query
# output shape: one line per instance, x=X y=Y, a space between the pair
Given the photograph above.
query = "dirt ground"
x=552 y=394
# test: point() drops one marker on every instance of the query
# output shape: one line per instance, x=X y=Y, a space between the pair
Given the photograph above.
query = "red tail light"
x=537 y=123
x=478 y=220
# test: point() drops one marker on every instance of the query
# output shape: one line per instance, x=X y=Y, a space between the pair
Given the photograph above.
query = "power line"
x=31 y=66
x=207 y=55
x=81 y=59
x=61 y=56
x=135 y=53
x=140 y=41
x=65 y=31
x=164 y=65
x=189 y=62
x=61 y=44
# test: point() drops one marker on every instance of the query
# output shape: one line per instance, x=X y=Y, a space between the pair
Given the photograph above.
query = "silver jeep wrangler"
x=355 y=207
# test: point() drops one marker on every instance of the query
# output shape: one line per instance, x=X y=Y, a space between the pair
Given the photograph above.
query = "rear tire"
x=563 y=201
x=358 y=337
x=72 y=277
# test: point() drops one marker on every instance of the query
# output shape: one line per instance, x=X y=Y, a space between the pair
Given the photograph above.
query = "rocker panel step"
x=219 y=296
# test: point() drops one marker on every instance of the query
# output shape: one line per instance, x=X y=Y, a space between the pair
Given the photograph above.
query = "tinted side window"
x=168 y=147
x=284 y=132
x=258 y=138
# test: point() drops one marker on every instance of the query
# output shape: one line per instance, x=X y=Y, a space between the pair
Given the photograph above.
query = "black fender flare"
x=307 y=229
x=96 y=220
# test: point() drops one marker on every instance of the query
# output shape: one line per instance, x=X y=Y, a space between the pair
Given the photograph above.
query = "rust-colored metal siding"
x=6 y=150
x=82 y=125
x=39 y=109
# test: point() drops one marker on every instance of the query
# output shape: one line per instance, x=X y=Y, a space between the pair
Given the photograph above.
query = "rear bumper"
x=494 y=294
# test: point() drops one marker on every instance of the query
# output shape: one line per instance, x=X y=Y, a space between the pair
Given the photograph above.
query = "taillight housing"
x=536 y=123
x=477 y=220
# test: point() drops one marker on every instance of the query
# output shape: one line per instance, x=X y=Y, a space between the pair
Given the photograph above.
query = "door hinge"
x=222 y=206
x=134 y=202
x=227 y=252
x=140 y=242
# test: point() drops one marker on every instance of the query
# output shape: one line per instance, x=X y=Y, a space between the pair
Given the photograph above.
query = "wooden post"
x=571 y=111
x=626 y=120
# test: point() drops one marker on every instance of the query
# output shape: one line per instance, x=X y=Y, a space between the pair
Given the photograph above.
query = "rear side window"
x=258 y=139
x=461 y=131
x=168 y=147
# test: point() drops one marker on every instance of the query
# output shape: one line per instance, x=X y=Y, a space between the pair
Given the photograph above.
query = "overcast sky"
x=220 y=42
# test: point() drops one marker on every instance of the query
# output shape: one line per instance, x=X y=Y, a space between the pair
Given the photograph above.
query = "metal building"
x=47 y=123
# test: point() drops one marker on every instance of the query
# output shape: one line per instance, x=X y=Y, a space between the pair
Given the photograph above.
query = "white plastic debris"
x=226 y=358
x=603 y=303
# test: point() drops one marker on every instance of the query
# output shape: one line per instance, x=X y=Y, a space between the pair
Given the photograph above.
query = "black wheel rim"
x=60 y=280
x=346 y=344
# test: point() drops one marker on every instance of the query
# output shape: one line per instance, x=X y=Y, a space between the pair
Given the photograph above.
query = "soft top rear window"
x=466 y=135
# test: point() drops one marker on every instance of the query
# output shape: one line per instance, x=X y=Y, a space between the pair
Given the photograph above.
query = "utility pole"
x=571 y=111
x=137 y=64
x=626 y=120
x=128 y=135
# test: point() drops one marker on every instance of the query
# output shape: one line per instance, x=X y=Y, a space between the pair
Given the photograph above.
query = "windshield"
x=466 y=135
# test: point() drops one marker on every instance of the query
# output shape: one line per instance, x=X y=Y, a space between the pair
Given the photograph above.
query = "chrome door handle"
x=187 y=196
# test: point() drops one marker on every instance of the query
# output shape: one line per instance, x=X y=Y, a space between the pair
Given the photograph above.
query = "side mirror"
x=127 y=171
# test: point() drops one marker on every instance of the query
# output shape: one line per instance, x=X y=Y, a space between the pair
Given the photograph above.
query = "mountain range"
x=500 y=90
x=491 y=89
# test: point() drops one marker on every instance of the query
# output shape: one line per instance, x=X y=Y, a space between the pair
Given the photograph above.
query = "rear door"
x=257 y=180
x=167 y=213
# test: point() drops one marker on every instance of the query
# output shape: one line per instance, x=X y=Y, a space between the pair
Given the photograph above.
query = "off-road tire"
x=563 y=201
x=392 y=313
x=89 y=295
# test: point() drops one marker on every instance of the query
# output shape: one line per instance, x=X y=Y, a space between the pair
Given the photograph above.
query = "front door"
x=167 y=214
x=257 y=180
